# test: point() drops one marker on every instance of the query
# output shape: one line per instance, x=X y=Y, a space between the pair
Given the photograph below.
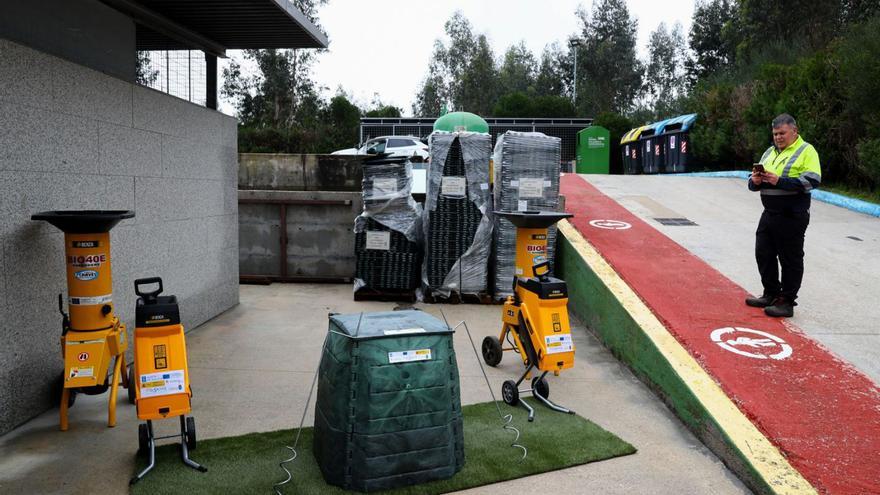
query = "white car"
x=398 y=146
x=393 y=145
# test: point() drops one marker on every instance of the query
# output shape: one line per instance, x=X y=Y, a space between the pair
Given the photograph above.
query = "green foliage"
x=522 y=105
x=831 y=91
x=665 y=72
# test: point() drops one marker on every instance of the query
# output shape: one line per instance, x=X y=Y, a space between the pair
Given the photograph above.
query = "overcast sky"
x=383 y=46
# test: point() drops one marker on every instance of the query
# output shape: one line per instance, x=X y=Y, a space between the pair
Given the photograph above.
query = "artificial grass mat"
x=249 y=463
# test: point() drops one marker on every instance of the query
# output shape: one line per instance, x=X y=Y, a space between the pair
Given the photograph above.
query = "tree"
x=478 y=88
x=461 y=73
x=145 y=74
x=281 y=93
x=664 y=74
x=609 y=74
x=554 y=74
x=712 y=38
x=517 y=73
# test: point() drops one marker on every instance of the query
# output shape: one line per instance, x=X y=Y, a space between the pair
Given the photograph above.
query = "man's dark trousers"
x=780 y=235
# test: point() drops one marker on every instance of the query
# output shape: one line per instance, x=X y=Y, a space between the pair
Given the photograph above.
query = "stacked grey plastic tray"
x=527 y=166
x=388 y=232
x=458 y=214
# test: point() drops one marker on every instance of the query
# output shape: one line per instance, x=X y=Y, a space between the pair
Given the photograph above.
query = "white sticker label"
x=380 y=240
x=531 y=188
x=558 y=343
x=90 y=301
x=522 y=205
x=82 y=372
x=453 y=186
x=409 y=356
x=484 y=186
x=404 y=331
x=165 y=383
x=384 y=188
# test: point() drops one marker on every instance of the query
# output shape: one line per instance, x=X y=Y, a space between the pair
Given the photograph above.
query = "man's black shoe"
x=781 y=308
x=760 y=302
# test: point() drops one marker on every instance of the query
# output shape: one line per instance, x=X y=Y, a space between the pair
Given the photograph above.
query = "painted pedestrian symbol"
x=610 y=224
x=751 y=343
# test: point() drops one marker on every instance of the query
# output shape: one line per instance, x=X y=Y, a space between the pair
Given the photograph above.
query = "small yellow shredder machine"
x=92 y=335
x=160 y=373
x=536 y=316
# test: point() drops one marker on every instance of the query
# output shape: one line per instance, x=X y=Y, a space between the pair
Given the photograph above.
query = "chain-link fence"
x=180 y=73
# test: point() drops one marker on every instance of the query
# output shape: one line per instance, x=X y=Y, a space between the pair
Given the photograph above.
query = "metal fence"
x=180 y=73
x=565 y=129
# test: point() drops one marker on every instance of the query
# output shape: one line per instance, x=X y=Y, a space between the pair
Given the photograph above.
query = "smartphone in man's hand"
x=757 y=167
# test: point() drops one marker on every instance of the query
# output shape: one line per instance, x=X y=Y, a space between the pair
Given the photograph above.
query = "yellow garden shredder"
x=160 y=373
x=536 y=315
x=92 y=335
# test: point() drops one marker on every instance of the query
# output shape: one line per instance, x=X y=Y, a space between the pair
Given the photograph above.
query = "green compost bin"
x=461 y=121
x=593 y=150
x=388 y=410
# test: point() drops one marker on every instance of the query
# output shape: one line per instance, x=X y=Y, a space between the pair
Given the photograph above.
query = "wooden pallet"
x=387 y=295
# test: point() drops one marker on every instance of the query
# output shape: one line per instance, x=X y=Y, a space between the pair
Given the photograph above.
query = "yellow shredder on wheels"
x=92 y=335
x=536 y=316
x=160 y=373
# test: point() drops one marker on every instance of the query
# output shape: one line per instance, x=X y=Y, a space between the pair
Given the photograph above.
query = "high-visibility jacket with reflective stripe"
x=799 y=173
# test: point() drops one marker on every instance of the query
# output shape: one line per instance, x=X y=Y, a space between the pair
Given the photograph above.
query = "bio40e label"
x=89 y=261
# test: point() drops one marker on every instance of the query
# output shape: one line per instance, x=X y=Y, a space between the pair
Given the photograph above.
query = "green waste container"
x=388 y=409
x=461 y=122
x=593 y=150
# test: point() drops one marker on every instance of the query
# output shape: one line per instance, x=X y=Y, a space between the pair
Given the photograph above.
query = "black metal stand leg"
x=549 y=403
x=152 y=446
x=184 y=451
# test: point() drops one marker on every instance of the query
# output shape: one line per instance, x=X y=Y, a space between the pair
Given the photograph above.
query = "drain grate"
x=675 y=222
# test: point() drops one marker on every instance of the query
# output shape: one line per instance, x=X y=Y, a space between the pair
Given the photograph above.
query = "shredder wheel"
x=492 y=351
x=509 y=392
x=143 y=439
x=132 y=396
x=191 y=433
x=541 y=387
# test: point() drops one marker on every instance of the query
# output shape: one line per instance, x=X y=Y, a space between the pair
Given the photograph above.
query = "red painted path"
x=822 y=414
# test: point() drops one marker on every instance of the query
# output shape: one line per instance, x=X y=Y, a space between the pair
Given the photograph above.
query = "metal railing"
x=180 y=73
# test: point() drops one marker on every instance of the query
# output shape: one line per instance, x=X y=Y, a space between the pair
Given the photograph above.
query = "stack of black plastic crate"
x=527 y=167
x=388 y=233
x=458 y=214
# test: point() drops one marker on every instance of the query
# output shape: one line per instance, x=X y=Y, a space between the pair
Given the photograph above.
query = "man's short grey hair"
x=783 y=119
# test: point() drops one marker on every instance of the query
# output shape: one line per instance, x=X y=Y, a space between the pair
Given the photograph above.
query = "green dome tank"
x=461 y=121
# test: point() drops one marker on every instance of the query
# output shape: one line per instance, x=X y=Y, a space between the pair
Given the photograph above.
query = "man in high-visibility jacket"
x=790 y=171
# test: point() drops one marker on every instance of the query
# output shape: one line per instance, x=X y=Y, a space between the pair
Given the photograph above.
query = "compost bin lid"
x=388 y=324
x=84 y=221
x=533 y=219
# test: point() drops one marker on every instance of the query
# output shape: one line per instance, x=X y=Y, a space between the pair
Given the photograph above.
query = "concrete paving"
x=251 y=368
x=836 y=304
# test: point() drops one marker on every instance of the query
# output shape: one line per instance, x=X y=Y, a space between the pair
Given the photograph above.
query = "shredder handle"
x=148 y=296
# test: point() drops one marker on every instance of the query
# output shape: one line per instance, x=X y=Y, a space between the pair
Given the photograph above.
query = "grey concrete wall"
x=294 y=172
x=320 y=237
x=85 y=32
x=75 y=138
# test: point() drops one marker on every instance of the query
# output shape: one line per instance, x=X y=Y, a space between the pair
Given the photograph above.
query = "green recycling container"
x=461 y=121
x=593 y=150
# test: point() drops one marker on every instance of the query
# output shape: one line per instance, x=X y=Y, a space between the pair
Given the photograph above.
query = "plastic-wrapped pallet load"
x=527 y=166
x=458 y=214
x=388 y=233
x=388 y=409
